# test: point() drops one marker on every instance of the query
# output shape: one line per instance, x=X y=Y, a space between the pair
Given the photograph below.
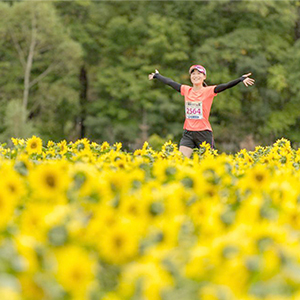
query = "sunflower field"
x=91 y=221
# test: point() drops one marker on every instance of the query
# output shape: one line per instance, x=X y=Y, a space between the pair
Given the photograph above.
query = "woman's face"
x=197 y=77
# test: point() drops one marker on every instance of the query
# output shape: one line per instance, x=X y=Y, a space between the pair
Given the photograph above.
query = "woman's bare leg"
x=186 y=151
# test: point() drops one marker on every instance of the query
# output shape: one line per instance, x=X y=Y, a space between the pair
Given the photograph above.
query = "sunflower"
x=7 y=207
x=82 y=145
x=75 y=270
x=149 y=275
x=17 y=142
x=12 y=184
x=105 y=146
x=49 y=181
x=30 y=288
x=63 y=147
x=34 y=145
x=32 y=221
x=50 y=144
x=257 y=178
x=120 y=243
x=7 y=292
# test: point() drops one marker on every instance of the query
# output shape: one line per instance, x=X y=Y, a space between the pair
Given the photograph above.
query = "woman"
x=198 y=101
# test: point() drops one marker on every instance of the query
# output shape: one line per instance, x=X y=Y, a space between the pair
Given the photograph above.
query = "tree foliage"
x=116 y=44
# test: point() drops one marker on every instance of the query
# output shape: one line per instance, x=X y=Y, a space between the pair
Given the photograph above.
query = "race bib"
x=193 y=110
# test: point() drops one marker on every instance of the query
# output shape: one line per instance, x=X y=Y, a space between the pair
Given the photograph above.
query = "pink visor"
x=199 y=68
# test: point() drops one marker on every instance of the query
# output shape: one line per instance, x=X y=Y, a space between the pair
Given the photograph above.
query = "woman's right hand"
x=151 y=76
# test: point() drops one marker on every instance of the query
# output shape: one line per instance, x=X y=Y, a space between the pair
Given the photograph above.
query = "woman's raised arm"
x=176 y=86
x=245 y=79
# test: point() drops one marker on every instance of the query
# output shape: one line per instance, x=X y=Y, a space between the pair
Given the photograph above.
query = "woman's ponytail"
x=204 y=83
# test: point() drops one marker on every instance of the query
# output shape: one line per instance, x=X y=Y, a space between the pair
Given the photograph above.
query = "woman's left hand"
x=248 y=81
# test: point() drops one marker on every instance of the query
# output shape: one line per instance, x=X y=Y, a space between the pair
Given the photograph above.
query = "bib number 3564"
x=193 y=110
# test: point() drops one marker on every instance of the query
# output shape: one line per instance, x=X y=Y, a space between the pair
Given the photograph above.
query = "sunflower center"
x=76 y=275
x=132 y=209
x=200 y=211
x=12 y=188
x=259 y=177
x=34 y=221
x=33 y=145
x=50 y=180
x=118 y=241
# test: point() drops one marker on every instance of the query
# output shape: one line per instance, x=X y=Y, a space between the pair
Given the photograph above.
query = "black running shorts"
x=193 y=139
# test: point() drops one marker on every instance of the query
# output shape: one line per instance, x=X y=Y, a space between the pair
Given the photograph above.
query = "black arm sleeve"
x=224 y=86
x=168 y=81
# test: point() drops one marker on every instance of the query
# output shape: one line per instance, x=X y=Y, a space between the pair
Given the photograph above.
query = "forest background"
x=78 y=69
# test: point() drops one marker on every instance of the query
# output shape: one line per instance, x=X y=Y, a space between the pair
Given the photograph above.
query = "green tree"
x=129 y=107
x=259 y=42
x=96 y=74
x=15 y=121
x=41 y=60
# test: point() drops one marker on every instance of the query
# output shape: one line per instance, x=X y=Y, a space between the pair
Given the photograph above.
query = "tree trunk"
x=144 y=127
x=297 y=25
x=29 y=63
x=83 y=100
